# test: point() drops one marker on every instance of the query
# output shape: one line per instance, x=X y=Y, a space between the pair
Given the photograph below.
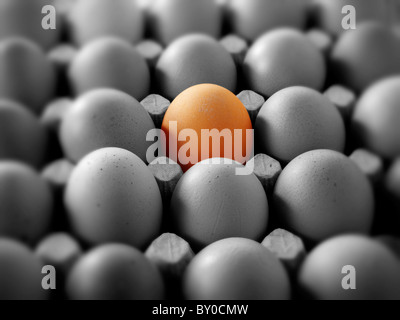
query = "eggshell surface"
x=211 y=202
x=192 y=60
x=296 y=120
x=376 y=270
x=113 y=197
x=115 y=272
x=105 y=118
x=321 y=194
x=236 y=269
x=283 y=58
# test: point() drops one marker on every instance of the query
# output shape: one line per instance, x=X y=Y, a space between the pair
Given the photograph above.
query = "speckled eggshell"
x=23 y=18
x=22 y=137
x=322 y=193
x=191 y=60
x=110 y=63
x=283 y=58
x=26 y=203
x=211 y=203
x=365 y=55
x=92 y=19
x=296 y=120
x=236 y=269
x=115 y=272
x=26 y=75
x=113 y=197
x=21 y=273
x=251 y=18
x=170 y=19
x=328 y=14
x=376 y=118
x=377 y=270
x=105 y=118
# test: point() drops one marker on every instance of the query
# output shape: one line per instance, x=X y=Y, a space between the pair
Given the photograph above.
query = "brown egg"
x=283 y=58
x=26 y=75
x=236 y=269
x=376 y=118
x=22 y=137
x=251 y=18
x=21 y=273
x=112 y=196
x=110 y=63
x=191 y=60
x=365 y=55
x=323 y=193
x=170 y=19
x=375 y=268
x=115 y=272
x=105 y=118
x=296 y=120
x=211 y=202
x=26 y=203
x=92 y=19
x=328 y=14
x=24 y=19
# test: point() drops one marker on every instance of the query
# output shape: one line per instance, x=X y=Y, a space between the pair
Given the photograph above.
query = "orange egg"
x=207 y=112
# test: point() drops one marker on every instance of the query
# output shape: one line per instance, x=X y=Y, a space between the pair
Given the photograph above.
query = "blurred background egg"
x=212 y=202
x=191 y=60
x=322 y=193
x=26 y=75
x=22 y=18
x=251 y=18
x=26 y=203
x=110 y=63
x=92 y=19
x=376 y=269
x=22 y=137
x=115 y=272
x=365 y=55
x=296 y=120
x=376 y=118
x=112 y=196
x=105 y=118
x=21 y=273
x=236 y=269
x=170 y=19
x=283 y=58
x=207 y=107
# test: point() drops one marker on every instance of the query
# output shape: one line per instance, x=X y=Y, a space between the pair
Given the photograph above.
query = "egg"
x=296 y=120
x=26 y=75
x=191 y=60
x=110 y=63
x=112 y=196
x=20 y=277
x=24 y=19
x=376 y=118
x=105 y=118
x=93 y=19
x=22 y=137
x=202 y=109
x=376 y=270
x=283 y=58
x=115 y=272
x=170 y=19
x=365 y=55
x=236 y=269
x=250 y=19
x=211 y=202
x=26 y=203
x=321 y=194
x=329 y=14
